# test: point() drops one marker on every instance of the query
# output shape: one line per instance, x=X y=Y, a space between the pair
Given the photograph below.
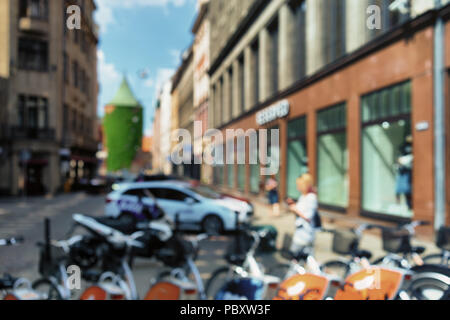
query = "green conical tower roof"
x=124 y=96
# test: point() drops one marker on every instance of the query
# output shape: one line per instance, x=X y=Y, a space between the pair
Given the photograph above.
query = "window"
x=255 y=72
x=66 y=68
x=332 y=156
x=255 y=169
x=32 y=112
x=231 y=93
x=273 y=56
x=75 y=74
x=387 y=151
x=241 y=84
x=33 y=54
x=298 y=8
x=37 y=9
x=218 y=170
x=231 y=177
x=334 y=27
x=168 y=194
x=297 y=160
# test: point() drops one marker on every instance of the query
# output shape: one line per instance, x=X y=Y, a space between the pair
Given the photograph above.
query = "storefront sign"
x=274 y=112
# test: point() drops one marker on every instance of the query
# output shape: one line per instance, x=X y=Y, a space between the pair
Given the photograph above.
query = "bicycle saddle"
x=363 y=254
x=236 y=259
x=418 y=250
x=124 y=226
x=299 y=256
x=92 y=275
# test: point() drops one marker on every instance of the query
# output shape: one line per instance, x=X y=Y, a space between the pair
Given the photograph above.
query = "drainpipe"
x=439 y=120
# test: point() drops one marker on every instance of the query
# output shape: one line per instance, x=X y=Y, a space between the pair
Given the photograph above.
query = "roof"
x=124 y=96
x=200 y=17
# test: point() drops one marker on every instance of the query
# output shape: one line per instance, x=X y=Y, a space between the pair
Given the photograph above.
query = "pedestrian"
x=272 y=195
x=305 y=210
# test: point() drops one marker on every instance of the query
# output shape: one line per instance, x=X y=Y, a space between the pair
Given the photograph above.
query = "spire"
x=124 y=96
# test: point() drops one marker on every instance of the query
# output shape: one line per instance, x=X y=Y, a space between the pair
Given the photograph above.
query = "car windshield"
x=205 y=192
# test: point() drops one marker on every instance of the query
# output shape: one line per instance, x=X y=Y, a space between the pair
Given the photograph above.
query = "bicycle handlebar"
x=11 y=241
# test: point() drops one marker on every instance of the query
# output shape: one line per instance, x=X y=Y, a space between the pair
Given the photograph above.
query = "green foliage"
x=123 y=131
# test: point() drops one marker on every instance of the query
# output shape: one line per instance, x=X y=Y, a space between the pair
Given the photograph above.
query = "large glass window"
x=241 y=177
x=255 y=170
x=297 y=160
x=387 y=154
x=218 y=173
x=332 y=156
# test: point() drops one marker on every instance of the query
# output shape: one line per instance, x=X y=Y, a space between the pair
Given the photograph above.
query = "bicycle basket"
x=396 y=240
x=238 y=248
x=345 y=242
x=46 y=266
x=443 y=238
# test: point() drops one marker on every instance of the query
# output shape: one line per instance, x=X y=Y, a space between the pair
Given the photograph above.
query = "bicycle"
x=346 y=242
x=16 y=288
x=244 y=277
x=442 y=242
x=427 y=281
x=363 y=282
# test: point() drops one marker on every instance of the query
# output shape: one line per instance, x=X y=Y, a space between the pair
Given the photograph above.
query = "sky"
x=143 y=39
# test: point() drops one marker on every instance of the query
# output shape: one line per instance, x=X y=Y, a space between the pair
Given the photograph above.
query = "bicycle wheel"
x=438 y=259
x=217 y=281
x=430 y=283
x=48 y=289
x=337 y=268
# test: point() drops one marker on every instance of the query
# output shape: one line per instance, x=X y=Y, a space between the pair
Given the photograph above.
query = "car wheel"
x=212 y=225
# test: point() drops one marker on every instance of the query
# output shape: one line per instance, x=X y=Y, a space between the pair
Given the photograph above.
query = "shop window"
x=255 y=170
x=332 y=157
x=387 y=152
x=218 y=172
x=297 y=160
x=230 y=150
x=241 y=177
x=33 y=54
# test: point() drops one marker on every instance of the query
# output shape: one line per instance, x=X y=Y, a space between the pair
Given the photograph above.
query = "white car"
x=196 y=208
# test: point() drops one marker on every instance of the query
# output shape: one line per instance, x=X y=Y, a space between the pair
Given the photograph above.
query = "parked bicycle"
x=16 y=288
x=442 y=242
x=244 y=277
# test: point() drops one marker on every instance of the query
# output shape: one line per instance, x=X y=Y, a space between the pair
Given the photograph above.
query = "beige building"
x=201 y=51
x=183 y=102
x=49 y=119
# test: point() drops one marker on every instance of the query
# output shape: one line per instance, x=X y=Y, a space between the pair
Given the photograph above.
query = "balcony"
x=32 y=133
x=34 y=25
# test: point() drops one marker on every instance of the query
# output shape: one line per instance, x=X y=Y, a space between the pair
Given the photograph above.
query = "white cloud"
x=109 y=77
x=105 y=13
x=163 y=75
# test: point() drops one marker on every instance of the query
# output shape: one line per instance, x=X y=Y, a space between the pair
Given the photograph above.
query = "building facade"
x=201 y=48
x=183 y=88
x=51 y=109
x=354 y=106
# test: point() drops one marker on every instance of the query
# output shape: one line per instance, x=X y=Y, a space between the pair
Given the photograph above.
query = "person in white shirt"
x=305 y=209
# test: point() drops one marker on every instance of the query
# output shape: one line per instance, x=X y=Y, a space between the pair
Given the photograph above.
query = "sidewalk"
x=323 y=249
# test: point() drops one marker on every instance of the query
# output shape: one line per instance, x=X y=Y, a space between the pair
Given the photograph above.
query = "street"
x=20 y=218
